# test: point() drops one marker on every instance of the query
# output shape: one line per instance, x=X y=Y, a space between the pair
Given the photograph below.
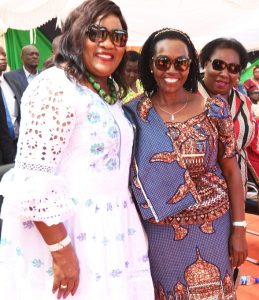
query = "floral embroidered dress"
x=183 y=198
x=72 y=166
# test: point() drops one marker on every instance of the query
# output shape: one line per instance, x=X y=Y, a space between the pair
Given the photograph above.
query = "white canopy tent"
x=203 y=20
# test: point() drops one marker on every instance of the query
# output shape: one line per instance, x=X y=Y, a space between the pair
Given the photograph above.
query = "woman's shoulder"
x=51 y=84
x=136 y=100
x=217 y=107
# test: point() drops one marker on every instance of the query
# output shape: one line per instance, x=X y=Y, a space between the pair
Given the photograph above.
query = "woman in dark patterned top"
x=185 y=176
x=223 y=60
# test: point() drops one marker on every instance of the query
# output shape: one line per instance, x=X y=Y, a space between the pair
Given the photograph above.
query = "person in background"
x=253 y=82
x=253 y=148
x=240 y=87
x=185 y=176
x=223 y=60
x=8 y=116
x=50 y=62
x=7 y=147
x=129 y=73
x=19 y=79
x=253 y=94
x=70 y=227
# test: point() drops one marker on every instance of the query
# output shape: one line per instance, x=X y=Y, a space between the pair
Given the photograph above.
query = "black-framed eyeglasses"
x=164 y=63
x=98 y=34
x=220 y=65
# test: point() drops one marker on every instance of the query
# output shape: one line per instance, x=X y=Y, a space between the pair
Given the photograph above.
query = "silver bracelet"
x=239 y=223
x=60 y=245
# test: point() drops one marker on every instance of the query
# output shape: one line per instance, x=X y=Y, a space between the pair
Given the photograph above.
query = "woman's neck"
x=133 y=87
x=170 y=99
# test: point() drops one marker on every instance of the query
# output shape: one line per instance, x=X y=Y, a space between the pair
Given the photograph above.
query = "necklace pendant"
x=172 y=117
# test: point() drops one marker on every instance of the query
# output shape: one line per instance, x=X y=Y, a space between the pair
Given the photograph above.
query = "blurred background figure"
x=254 y=81
x=240 y=87
x=253 y=94
x=253 y=149
x=8 y=116
x=50 y=62
x=130 y=76
x=18 y=81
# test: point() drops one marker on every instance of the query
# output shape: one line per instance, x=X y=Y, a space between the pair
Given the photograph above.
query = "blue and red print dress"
x=183 y=198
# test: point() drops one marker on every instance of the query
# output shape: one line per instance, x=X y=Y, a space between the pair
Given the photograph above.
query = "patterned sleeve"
x=221 y=111
x=34 y=190
x=226 y=132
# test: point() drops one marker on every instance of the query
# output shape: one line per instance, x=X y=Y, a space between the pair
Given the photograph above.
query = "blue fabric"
x=8 y=118
x=155 y=177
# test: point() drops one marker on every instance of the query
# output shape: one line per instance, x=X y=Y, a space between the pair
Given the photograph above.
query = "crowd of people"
x=131 y=169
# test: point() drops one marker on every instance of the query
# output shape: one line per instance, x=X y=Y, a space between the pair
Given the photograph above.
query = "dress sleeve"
x=35 y=189
x=226 y=130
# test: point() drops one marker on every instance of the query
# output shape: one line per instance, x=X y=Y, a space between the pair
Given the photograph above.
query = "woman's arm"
x=47 y=123
x=237 y=243
x=65 y=263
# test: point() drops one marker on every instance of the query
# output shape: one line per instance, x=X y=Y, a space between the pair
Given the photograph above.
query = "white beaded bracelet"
x=60 y=245
x=240 y=223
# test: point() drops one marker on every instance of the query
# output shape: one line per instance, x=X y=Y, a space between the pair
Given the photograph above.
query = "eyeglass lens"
x=220 y=65
x=99 y=34
x=163 y=63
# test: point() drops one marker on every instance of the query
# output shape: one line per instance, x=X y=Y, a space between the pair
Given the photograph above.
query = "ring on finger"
x=63 y=286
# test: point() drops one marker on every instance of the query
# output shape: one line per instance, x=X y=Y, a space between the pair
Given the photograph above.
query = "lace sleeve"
x=35 y=189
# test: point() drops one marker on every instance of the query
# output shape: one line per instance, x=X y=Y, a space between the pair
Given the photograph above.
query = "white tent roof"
x=203 y=20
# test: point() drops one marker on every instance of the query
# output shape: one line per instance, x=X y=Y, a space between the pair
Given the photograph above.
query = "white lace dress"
x=72 y=166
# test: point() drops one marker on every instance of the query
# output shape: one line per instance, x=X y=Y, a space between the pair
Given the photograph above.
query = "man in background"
x=18 y=80
x=7 y=144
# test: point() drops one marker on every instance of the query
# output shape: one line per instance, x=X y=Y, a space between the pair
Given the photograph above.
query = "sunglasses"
x=220 y=65
x=164 y=63
x=98 y=34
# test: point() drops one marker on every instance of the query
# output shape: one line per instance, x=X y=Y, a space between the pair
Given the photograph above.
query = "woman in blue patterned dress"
x=67 y=204
x=185 y=176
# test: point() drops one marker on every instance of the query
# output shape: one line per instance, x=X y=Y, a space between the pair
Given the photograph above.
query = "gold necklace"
x=176 y=112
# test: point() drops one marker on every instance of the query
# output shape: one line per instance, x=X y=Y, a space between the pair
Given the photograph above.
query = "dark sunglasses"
x=98 y=34
x=220 y=65
x=164 y=63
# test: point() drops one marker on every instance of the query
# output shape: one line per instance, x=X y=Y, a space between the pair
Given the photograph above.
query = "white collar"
x=28 y=74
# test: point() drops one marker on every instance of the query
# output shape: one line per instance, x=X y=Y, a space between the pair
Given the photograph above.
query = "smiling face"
x=221 y=82
x=172 y=80
x=102 y=58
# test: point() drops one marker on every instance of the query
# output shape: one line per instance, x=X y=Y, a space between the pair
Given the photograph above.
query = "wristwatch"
x=239 y=223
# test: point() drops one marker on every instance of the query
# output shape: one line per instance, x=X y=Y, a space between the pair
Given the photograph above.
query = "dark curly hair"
x=148 y=51
x=74 y=32
x=223 y=43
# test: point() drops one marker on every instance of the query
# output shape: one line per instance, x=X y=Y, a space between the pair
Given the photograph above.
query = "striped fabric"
x=241 y=111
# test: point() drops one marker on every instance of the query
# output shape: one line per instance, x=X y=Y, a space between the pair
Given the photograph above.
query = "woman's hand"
x=238 y=246
x=66 y=272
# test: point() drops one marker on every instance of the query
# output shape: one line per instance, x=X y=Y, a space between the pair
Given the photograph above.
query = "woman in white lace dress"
x=69 y=224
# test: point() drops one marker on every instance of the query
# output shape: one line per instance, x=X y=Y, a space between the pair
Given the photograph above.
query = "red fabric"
x=253 y=150
x=251 y=84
